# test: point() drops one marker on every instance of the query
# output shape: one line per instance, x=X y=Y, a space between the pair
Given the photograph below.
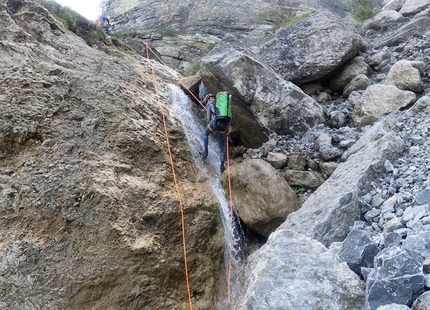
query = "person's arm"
x=209 y=111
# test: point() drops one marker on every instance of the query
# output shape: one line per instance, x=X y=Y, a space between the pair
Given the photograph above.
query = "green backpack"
x=223 y=104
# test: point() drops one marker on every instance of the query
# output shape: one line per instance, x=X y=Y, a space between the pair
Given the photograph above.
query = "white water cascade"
x=194 y=131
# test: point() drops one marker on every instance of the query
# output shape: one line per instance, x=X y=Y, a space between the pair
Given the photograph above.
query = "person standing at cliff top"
x=104 y=21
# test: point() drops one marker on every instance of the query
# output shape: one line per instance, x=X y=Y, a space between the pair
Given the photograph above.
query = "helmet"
x=207 y=97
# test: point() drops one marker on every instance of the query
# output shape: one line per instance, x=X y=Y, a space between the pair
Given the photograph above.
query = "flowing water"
x=193 y=119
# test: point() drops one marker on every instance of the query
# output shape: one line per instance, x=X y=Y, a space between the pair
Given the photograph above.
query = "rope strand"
x=230 y=263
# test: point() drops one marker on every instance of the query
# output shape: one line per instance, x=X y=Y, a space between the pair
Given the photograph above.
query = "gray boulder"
x=423 y=197
x=422 y=302
x=326 y=149
x=419 y=243
x=313 y=49
x=397 y=278
x=383 y=19
x=391 y=239
x=292 y=271
x=405 y=75
x=378 y=100
x=306 y=179
x=393 y=307
x=358 y=250
x=359 y=82
x=411 y=7
x=356 y=67
x=421 y=106
x=393 y=5
x=415 y=27
x=261 y=98
x=375 y=59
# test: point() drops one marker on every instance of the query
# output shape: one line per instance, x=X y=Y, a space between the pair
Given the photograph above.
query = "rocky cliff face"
x=185 y=31
x=207 y=17
x=89 y=214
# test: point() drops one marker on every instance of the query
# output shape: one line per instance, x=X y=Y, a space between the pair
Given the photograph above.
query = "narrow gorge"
x=106 y=202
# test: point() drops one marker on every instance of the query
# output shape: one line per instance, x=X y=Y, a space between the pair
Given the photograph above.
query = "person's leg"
x=222 y=151
x=206 y=142
x=211 y=126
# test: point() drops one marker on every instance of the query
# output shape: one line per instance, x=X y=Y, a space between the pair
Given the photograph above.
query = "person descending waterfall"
x=218 y=112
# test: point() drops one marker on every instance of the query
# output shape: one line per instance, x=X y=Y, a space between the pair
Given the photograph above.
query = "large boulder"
x=358 y=250
x=406 y=75
x=415 y=27
x=418 y=242
x=313 y=49
x=359 y=82
x=378 y=100
x=422 y=302
x=411 y=7
x=262 y=197
x=261 y=98
x=396 y=278
x=292 y=271
x=303 y=179
x=383 y=19
x=352 y=69
x=393 y=5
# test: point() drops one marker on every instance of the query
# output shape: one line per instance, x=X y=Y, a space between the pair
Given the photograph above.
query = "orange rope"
x=174 y=74
x=175 y=181
x=230 y=267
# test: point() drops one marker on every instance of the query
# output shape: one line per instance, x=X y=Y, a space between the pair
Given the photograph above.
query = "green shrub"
x=167 y=32
x=210 y=47
x=280 y=15
x=289 y=21
x=126 y=34
x=66 y=15
x=360 y=9
x=193 y=69
x=298 y=190
x=92 y=37
x=116 y=41
x=275 y=14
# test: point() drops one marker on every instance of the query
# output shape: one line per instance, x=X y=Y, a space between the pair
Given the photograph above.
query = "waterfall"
x=194 y=131
x=202 y=91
